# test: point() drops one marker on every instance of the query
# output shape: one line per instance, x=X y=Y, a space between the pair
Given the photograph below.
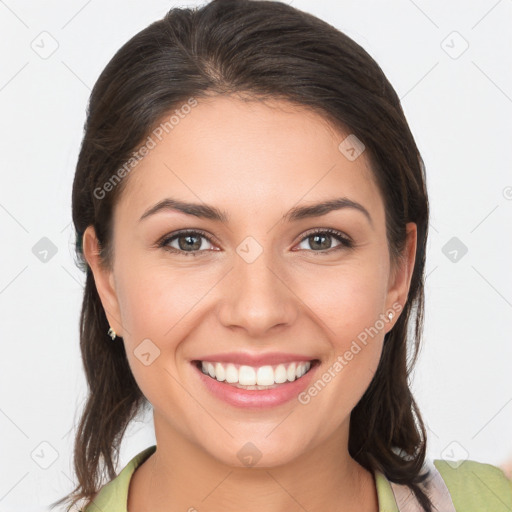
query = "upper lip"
x=256 y=360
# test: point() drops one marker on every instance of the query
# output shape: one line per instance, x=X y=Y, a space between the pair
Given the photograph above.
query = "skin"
x=255 y=160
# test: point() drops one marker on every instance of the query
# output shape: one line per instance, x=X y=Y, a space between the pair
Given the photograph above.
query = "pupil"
x=189 y=244
x=315 y=241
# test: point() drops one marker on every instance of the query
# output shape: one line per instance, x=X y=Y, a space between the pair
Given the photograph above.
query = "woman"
x=252 y=215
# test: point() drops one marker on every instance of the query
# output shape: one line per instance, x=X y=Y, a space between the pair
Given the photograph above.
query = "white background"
x=459 y=106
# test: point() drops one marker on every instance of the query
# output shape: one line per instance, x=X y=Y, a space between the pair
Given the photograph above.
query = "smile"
x=287 y=380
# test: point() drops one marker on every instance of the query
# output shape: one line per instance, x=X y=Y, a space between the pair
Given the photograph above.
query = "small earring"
x=390 y=315
x=112 y=333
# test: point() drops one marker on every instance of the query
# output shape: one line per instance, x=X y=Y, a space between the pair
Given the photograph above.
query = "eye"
x=188 y=242
x=320 y=239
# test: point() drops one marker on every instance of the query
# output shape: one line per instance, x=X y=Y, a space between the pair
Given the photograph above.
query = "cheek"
x=160 y=307
x=154 y=309
x=347 y=299
x=348 y=306
x=348 y=303
x=155 y=299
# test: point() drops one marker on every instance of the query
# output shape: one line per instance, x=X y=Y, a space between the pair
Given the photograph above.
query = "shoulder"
x=113 y=496
x=475 y=485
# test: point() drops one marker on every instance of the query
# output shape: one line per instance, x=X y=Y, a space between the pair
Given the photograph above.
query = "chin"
x=258 y=453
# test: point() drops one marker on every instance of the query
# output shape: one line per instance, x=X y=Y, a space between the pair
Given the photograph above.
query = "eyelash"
x=345 y=243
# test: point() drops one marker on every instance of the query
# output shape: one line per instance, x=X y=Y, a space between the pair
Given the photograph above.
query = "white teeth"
x=254 y=377
x=246 y=376
x=291 y=372
x=220 y=372
x=280 y=374
x=231 y=373
x=265 y=376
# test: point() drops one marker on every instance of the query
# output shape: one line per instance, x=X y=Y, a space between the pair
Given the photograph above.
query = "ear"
x=400 y=277
x=103 y=278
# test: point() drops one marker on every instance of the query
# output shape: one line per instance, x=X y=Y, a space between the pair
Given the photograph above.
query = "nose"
x=257 y=296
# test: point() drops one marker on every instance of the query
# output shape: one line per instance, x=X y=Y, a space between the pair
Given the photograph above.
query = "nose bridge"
x=257 y=297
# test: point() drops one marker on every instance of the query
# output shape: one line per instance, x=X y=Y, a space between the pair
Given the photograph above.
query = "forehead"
x=245 y=154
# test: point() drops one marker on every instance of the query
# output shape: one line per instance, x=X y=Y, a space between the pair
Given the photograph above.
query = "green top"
x=473 y=486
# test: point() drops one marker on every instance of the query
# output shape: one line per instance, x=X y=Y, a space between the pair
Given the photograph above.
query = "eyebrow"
x=297 y=213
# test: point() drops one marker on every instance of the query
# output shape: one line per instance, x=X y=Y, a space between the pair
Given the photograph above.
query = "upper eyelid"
x=329 y=231
x=183 y=232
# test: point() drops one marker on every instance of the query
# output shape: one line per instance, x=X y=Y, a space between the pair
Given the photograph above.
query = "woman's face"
x=263 y=285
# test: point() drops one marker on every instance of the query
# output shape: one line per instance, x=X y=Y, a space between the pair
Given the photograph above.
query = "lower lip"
x=257 y=399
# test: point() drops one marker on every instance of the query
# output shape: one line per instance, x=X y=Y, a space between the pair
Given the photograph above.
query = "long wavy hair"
x=264 y=49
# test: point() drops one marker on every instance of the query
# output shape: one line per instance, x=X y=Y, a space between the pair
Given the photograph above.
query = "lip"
x=256 y=360
x=253 y=398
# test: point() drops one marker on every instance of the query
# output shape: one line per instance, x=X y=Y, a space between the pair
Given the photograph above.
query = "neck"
x=180 y=476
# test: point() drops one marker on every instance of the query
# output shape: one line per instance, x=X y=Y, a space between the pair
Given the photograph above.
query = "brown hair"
x=265 y=49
